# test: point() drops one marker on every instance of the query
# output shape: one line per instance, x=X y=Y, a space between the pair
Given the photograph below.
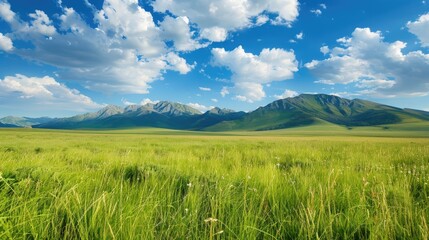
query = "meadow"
x=161 y=184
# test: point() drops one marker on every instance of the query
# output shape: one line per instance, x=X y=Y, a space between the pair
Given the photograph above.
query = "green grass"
x=320 y=182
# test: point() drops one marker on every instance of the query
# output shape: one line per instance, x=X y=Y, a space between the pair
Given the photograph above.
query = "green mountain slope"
x=2 y=125
x=308 y=109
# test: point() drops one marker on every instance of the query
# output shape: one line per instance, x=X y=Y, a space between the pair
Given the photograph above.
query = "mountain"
x=162 y=114
x=215 y=116
x=307 y=109
x=2 y=125
x=23 y=121
x=303 y=110
x=174 y=109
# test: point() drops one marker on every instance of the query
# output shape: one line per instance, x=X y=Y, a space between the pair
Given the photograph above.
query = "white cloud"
x=5 y=43
x=206 y=89
x=199 y=107
x=261 y=20
x=345 y=94
x=287 y=94
x=375 y=84
x=316 y=12
x=300 y=36
x=178 y=30
x=325 y=50
x=44 y=94
x=148 y=101
x=126 y=102
x=176 y=63
x=124 y=52
x=125 y=18
x=322 y=5
x=6 y=13
x=224 y=91
x=378 y=67
x=214 y=34
x=229 y=15
x=250 y=72
x=420 y=28
x=249 y=91
x=42 y=24
x=214 y=100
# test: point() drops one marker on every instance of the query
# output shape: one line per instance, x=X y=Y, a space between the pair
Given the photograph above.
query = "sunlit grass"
x=175 y=185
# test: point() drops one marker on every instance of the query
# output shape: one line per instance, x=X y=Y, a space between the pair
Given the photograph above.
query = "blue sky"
x=64 y=57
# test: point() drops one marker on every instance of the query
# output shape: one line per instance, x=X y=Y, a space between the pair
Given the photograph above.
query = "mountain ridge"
x=12 y=121
x=302 y=110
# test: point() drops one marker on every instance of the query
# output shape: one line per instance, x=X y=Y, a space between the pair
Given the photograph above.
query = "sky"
x=64 y=57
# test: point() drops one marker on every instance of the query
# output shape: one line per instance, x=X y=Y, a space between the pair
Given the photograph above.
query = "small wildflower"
x=211 y=220
x=189 y=184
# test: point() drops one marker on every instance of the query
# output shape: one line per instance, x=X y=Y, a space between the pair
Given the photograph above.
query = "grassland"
x=305 y=183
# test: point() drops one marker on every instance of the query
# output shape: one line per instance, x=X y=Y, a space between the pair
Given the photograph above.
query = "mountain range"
x=11 y=121
x=303 y=110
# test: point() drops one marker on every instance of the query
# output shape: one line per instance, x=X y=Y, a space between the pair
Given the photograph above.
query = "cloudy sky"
x=64 y=57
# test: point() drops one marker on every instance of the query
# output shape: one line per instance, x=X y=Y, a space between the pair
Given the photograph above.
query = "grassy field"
x=305 y=183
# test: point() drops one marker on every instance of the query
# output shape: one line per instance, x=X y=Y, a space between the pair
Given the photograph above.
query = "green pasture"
x=318 y=182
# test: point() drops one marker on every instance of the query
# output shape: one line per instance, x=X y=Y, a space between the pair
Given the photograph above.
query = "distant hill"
x=23 y=121
x=308 y=109
x=2 y=125
x=303 y=110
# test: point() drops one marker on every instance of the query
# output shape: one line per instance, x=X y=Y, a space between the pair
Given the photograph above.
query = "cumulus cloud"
x=217 y=17
x=41 y=93
x=377 y=67
x=6 y=13
x=214 y=34
x=178 y=30
x=250 y=72
x=287 y=94
x=300 y=36
x=42 y=24
x=199 y=107
x=420 y=28
x=148 y=101
x=124 y=52
x=5 y=43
